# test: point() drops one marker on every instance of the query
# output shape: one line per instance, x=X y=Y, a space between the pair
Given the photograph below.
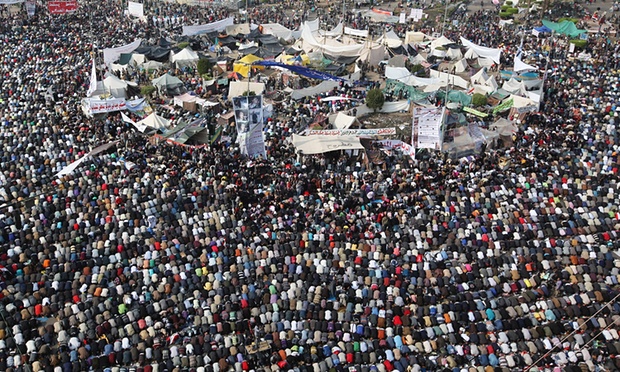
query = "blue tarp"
x=300 y=70
x=543 y=29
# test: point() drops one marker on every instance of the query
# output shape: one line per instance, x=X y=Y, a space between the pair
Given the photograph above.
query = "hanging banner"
x=112 y=54
x=427 y=133
x=135 y=9
x=62 y=7
x=353 y=132
x=398 y=145
x=218 y=26
x=249 y=124
x=31 y=8
x=92 y=106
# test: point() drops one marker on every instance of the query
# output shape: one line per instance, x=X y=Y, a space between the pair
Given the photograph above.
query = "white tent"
x=454 y=53
x=492 y=53
x=155 y=121
x=460 y=66
x=114 y=86
x=324 y=86
x=373 y=54
x=515 y=87
x=519 y=65
x=237 y=88
x=418 y=59
x=479 y=77
x=185 y=57
x=471 y=54
x=391 y=40
x=440 y=42
x=519 y=102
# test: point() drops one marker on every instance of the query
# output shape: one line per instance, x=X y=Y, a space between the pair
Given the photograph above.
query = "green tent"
x=565 y=28
x=456 y=96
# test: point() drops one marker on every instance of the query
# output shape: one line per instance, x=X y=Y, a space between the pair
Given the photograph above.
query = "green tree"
x=478 y=100
x=375 y=99
x=147 y=90
x=203 y=66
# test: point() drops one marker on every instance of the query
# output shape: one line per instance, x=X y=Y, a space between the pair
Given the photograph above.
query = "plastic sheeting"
x=325 y=86
x=519 y=65
x=404 y=76
x=218 y=26
x=450 y=79
x=300 y=70
x=567 y=28
x=493 y=54
x=278 y=30
x=344 y=121
x=112 y=54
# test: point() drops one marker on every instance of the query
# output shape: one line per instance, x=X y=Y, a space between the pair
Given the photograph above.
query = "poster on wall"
x=427 y=132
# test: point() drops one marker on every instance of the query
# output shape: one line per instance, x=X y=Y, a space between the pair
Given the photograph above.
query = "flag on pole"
x=93 y=81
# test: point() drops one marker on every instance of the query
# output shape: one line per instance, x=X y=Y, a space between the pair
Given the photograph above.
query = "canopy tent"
x=300 y=70
x=309 y=145
x=155 y=121
x=519 y=65
x=344 y=121
x=567 y=28
x=246 y=63
x=169 y=85
x=492 y=53
x=185 y=57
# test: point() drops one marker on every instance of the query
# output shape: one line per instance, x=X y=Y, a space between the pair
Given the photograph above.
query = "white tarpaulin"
x=309 y=145
x=414 y=37
x=515 y=87
x=440 y=42
x=114 y=86
x=135 y=9
x=218 y=26
x=112 y=54
x=186 y=97
x=277 y=30
x=519 y=66
x=344 y=121
x=373 y=54
x=519 y=102
x=354 y=32
x=492 y=53
x=324 y=86
x=388 y=107
x=450 y=79
x=328 y=45
x=237 y=88
x=404 y=76
x=335 y=32
x=140 y=127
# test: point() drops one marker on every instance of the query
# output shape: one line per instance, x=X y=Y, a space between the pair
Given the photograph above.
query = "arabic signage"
x=353 y=132
x=62 y=7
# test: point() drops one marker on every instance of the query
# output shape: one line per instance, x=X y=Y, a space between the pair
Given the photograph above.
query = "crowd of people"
x=153 y=256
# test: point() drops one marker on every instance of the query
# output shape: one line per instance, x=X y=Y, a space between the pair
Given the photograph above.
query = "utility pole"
x=445 y=18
